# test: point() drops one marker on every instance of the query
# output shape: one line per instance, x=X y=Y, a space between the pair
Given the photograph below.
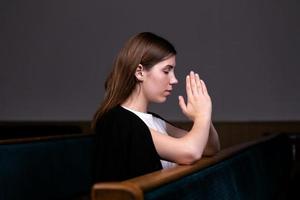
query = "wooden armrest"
x=117 y=190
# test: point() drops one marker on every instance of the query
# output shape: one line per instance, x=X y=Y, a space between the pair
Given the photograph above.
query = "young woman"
x=131 y=141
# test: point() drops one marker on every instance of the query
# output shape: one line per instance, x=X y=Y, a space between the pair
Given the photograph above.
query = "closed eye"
x=167 y=69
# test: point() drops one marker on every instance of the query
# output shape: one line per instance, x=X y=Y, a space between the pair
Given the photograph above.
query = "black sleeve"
x=124 y=148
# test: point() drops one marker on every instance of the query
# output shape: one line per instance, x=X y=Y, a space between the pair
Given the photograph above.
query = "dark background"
x=55 y=55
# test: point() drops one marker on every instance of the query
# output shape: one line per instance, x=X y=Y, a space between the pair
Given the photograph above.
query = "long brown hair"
x=144 y=48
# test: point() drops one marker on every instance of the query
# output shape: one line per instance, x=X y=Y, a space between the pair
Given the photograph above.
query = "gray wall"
x=54 y=55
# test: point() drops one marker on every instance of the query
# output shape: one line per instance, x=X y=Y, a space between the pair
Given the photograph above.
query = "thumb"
x=182 y=104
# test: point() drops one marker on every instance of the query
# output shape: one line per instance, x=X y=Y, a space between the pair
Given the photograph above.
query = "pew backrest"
x=46 y=168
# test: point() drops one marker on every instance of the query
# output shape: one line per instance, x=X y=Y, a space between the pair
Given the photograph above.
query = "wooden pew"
x=60 y=167
x=254 y=170
x=54 y=167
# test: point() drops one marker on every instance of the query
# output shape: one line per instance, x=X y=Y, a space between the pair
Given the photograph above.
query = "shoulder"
x=121 y=114
x=118 y=119
x=118 y=114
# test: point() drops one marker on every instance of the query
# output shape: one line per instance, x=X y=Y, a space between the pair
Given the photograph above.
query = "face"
x=158 y=81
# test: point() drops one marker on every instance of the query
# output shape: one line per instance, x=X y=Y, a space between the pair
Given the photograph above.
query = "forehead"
x=171 y=61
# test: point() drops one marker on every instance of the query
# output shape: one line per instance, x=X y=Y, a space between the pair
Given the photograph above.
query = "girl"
x=131 y=141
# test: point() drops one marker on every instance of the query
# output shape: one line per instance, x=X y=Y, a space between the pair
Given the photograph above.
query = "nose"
x=173 y=80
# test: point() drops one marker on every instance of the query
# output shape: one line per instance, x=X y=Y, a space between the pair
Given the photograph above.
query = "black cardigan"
x=124 y=147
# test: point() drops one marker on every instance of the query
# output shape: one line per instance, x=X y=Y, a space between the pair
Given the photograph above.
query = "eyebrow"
x=169 y=66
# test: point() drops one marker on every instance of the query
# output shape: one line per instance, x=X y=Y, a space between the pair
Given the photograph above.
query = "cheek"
x=160 y=83
x=155 y=85
x=161 y=79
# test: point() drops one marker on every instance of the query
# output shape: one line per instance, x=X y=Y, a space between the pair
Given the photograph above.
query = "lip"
x=168 y=91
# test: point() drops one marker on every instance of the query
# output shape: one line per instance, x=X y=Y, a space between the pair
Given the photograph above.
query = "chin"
x=161 y=100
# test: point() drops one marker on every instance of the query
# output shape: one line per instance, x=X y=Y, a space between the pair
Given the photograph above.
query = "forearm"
x=186 y=149
x=197 y=138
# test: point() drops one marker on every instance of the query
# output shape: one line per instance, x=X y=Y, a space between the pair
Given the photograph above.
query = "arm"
x=213 y=143
x=190 y=147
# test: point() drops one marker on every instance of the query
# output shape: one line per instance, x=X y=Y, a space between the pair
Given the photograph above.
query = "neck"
x=136 y=101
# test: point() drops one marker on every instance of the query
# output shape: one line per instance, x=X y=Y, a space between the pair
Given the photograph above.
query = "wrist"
x=202 y=120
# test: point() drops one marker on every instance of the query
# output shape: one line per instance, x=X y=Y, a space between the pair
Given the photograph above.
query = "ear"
x=139 y=72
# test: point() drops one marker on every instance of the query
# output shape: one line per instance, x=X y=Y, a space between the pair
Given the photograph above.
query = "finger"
x=198 y=82
x=188 y=87
x=204 y=88
x=193 y=83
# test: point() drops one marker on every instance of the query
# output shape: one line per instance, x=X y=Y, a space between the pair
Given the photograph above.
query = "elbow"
x=190 y=156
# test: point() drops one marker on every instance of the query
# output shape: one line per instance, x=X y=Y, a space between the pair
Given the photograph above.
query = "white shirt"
x=156 y=124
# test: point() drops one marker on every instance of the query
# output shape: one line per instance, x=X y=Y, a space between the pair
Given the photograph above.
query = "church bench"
x=60 y=168
x=54 y=168
x=254 y=170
